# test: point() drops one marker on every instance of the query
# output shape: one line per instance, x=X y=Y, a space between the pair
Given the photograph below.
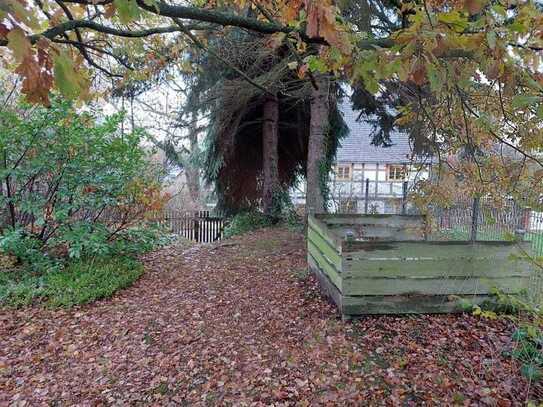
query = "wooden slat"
x=354 y=306
x=327 y=286
x=379 y=232
x=394 y=276
x=325 y=233
x=385 y=220
x=201 y=226
x=325 y=248
x=325 y=266
x=432 y=286
x=431 y=250
x=452 y=267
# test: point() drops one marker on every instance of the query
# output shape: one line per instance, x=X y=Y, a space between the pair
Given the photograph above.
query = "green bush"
x=81 y=281
x=283 y=212
x=247 y=221
x=28 y=250
x=141 y=239
x=76 y=186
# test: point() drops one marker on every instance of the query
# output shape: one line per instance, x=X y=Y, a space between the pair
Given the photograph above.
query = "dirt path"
x=240 y=323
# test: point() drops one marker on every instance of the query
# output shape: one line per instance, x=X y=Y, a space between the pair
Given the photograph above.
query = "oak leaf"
x=36 y=81
x=19 y=44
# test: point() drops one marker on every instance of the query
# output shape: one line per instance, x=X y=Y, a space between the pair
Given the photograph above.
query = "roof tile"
x=356 y=147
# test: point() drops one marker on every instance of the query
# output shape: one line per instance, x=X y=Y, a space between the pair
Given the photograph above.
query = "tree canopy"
x=463 y=77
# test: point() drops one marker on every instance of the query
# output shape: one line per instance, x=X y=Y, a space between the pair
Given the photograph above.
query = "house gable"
x=356 y=147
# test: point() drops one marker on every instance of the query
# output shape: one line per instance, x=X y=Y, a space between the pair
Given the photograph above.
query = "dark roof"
x=356 y=147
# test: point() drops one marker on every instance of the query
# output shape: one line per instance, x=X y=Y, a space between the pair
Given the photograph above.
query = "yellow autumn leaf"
x=19 y=44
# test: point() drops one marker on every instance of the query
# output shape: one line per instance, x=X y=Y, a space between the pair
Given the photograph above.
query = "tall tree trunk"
x=318 y=127
x=270 y=158
x=192 y=172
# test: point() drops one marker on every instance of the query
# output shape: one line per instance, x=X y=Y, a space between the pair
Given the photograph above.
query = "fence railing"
x=479 y=219
x=199 y=226
x=535 y=232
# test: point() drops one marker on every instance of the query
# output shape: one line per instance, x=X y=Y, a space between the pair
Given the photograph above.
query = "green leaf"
x=371 y=84
x=499 y=9
x=491 y=39
x=67 y=79
x=465 y=305
x=521 y=101
x=316 y=65
x=531 y=372
x=454 y=18
x=433 y=77
x=152 y=3
x=128 y=10
x=518 y=26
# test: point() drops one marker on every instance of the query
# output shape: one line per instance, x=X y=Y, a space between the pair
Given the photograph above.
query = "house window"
x=396 y=172
x=343 y=172
x=348 y=205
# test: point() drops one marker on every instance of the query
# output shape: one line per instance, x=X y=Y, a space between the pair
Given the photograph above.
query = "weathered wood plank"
x=452 y=267
x=325 y=248
x=327 y=286
x=324 y=265
x=387 y=220
x=326 y=234
x=430 y=250
x=432 y=304
x=432 y=286
x=379 y=232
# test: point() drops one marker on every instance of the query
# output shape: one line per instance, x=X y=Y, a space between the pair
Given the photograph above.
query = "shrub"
x=141 y=239
x=245 y=222
x=28 y=250
x=75 y=186
x=80 y=282
x=283 y=212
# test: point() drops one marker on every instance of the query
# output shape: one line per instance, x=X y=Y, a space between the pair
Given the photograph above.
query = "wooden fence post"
x=404 y=198
x=474 y=219
x=366 y=196
x=197 y=229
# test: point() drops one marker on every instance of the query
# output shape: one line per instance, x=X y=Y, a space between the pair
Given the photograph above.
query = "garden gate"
x=200 y=226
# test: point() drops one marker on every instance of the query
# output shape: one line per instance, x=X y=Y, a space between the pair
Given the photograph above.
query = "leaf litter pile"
x=241 y=323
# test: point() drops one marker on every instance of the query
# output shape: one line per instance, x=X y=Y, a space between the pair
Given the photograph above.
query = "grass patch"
x=246 y=222
x=80 y=282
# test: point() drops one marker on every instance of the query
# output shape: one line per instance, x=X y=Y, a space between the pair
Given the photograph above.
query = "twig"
x=200 y=45
x=289 y=45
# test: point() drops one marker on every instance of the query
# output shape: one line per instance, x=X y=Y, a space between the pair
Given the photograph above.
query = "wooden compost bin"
x=384 y=264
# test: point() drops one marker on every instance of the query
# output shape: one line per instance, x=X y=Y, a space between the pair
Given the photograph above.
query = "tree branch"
x=204 y=15
x=289 y=45
x=71 y=25
x=200 y=45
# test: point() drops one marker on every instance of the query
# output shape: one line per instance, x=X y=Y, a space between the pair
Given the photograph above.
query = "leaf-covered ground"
x=240 y=323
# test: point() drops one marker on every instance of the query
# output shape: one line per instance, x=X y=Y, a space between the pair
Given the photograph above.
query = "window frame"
x=396 y=169
x=344 y=167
